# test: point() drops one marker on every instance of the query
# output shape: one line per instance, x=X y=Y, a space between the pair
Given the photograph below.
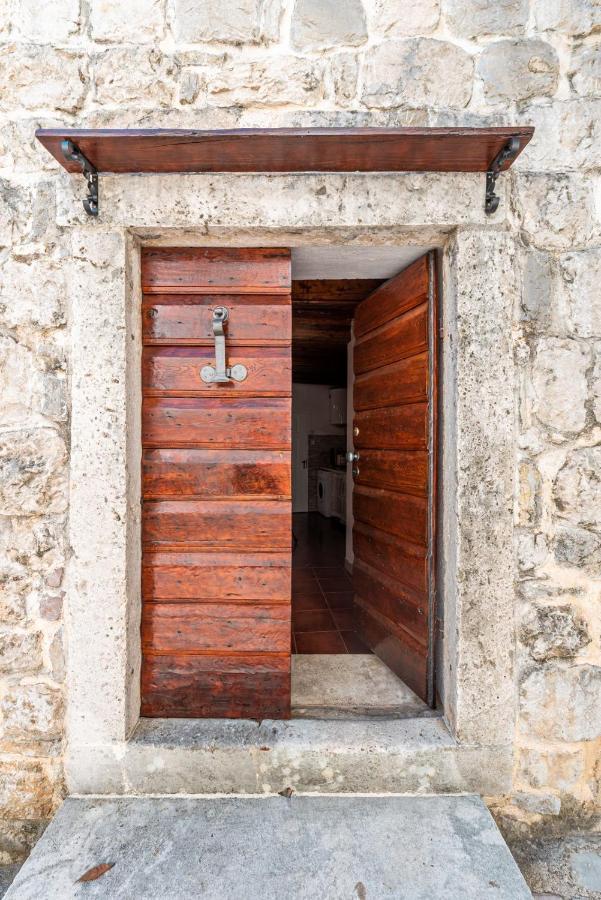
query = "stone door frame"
x=108 y=750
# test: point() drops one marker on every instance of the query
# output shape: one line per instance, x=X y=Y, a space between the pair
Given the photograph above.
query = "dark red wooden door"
x=216 y=523
x=394 y=497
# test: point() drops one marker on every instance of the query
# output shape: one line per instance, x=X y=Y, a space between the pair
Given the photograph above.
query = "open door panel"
x=394 y=496
x=216 y=514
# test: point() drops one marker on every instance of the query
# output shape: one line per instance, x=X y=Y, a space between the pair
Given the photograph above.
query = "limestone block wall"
x=235 y=63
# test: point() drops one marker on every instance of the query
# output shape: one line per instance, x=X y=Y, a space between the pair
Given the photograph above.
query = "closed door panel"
x=216 y=517
x=394 y=496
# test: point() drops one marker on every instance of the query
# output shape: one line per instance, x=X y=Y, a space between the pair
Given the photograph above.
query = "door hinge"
x=73 y=154
x=508 y=153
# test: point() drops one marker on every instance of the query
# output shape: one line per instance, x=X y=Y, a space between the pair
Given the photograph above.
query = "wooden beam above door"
x=271 y=150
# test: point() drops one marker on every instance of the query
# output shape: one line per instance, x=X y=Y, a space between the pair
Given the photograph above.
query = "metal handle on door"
x=220 y=373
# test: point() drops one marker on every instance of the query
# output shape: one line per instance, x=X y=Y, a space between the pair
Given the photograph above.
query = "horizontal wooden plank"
x=229 y=422
x=394 y=297
x=174 y=628
x=398 y=470
x=407 y=149
x=397 y=339
x=392 y=428
x=401 y=382
x=216 y=576
x=333 y=291
x=378 y=593
x=404 y=655
x=186 y=320
x=234 y=267
x=405 y=516
x=220 y=524
x=393 y=557
x=177 y=370
x=201 y=473
x=205 y=686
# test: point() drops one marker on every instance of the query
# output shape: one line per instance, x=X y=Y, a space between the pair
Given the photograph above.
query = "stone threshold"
x=220 y=756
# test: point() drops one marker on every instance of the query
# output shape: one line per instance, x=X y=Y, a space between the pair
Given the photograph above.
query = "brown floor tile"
x=340 y=599
x=320 y=642
x=313 y=620
x=341 y=583
x=330 y=572
x=353 y=642
x=344 y=619
x=304 y=603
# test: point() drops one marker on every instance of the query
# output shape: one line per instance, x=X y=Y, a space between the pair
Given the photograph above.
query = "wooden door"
x=216 y=517
x=394 y=497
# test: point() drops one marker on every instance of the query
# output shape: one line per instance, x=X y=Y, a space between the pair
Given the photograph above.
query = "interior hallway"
x=322 y=594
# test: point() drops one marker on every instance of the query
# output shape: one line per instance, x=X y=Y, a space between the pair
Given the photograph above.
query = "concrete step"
x=273 y=848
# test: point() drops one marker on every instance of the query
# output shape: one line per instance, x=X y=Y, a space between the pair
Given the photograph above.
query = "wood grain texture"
x=402 y=382
x=405 y=471
x=219 y=524
x=394 y=498
x=393 y=428
x=286 y=149
x=202 y=473
x=175 y=371
x=225 y=422
x=401 y=337
x=216 y=628
x=216 y=516
x=236 y=269
x=253 y=686
x=196 y=575
x=187 y=319
x=399 y=514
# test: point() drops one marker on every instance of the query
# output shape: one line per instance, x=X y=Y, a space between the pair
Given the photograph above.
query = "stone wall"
x=220 y=63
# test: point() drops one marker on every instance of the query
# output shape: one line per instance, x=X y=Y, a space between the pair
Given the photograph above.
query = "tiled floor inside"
x=322 y=595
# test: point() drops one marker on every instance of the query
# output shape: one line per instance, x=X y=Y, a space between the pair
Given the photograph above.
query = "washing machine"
x=324 y=493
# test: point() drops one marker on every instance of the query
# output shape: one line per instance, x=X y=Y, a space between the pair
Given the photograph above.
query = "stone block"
x=578 y=17
x=344 y=72
x=580 y=280
x=596 y=381
x=518 y=70
x=478 y=18
x=577 y=488
x=144 y=78
x=543 y=768
x=537 y=803
x=136 y=22
x=26 y=791
x=32 y=293
x=560 y=385
x=32 y=472
x=531 y=550
x=226 y=21
x=20 y=651
x=529 y=494
x=319 y=24
x=558 y=211
x=562 y=704
x=36 y=77
x=578 y=548
x=31 y=712
x=17 y=837
x=553 y=632
x=15 y=585
x=269 y=80
x=51 y=606
x=55 y=23
x=417 y=72
x=537 y=290
x=567 y=135
x=585 y=71
x=396 y=18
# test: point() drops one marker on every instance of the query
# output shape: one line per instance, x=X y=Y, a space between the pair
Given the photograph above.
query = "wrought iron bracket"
x=73 y=154
x=508 y=153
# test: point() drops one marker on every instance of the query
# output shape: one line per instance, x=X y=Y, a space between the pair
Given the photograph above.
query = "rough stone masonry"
x=234 y=63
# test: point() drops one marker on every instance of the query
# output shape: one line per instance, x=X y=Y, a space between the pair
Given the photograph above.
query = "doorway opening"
x=344 y=646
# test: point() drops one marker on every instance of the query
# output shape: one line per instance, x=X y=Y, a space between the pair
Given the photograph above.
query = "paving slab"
x=273 y=848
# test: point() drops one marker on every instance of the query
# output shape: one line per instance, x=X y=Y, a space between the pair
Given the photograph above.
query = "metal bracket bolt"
x=73 y=154
x=509 y=152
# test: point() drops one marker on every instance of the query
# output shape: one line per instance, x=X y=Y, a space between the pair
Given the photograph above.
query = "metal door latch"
x=220 y=373
x=352 y=457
